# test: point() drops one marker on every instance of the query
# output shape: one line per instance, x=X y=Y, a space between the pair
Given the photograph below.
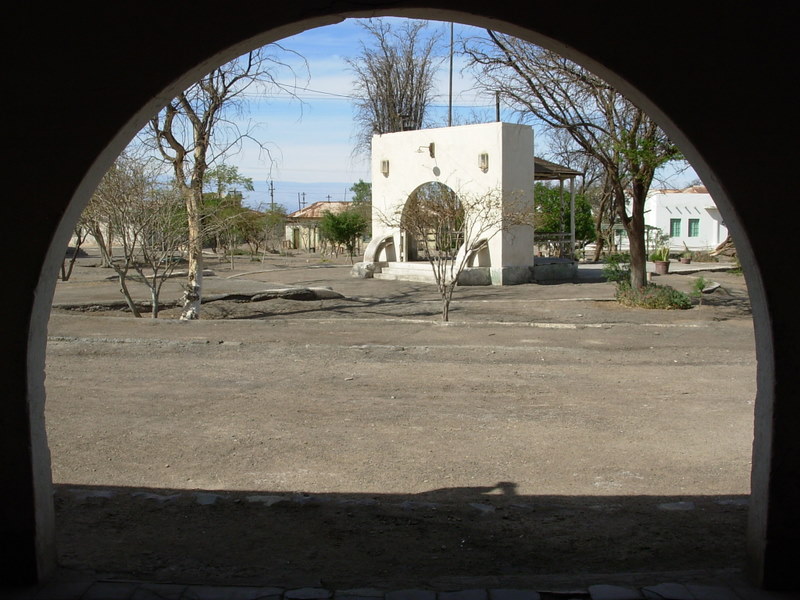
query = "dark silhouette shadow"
x=414 y=540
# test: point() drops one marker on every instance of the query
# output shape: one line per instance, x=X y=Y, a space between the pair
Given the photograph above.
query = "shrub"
x=617 y=268
x=653 y=296
x=660 y=254
x=703 y=256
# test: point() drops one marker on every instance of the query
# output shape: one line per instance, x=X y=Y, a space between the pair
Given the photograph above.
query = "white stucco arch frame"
x=707 y=126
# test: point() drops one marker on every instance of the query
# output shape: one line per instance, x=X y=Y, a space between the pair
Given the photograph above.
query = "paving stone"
x=156 y=497
x=464 y=595
x=204 y=592
x=266 y=500
x=358 y=501
x=667 y=591
x=205 y=499
x=159 y=591
x=614 y=592
x=733 y=501
x=307 y=594
x=358 y=594
x=411 y=505
x=63 y=591
x=82 y=495
x=712 y=592
x=111 y=590
x=677 y=506
x=411 y=594
x=511 y=594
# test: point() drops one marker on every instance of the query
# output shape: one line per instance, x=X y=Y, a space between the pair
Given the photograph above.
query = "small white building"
x=473 y=161
x=688 y=216
x=302 y=226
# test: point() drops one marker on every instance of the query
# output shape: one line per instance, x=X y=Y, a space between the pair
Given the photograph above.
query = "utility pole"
x=271 y=196
x=328 y=197
x=450 y=107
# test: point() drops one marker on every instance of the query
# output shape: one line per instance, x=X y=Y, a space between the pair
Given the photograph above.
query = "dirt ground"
x=357 y=441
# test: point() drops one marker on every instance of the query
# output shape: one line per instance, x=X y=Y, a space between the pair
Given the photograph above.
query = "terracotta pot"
x=686 y=261
x=662 y=267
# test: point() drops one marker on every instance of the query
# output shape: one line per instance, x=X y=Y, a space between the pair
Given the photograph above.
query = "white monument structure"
x=473 y=161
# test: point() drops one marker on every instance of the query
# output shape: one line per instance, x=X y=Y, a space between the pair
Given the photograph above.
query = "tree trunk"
x=192 y=294
x=638 y=259
x=598 y=248
x=123 y=288
x=635 y=228
x=154 y=301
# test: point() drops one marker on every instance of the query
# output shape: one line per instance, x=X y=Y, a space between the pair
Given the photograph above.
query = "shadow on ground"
x=419 y=540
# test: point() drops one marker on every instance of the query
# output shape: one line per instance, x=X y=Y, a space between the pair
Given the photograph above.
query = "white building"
x=473 y=161
x=687 y=216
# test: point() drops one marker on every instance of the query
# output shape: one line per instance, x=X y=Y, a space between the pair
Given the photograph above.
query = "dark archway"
x=432 y=216
x=81 y=84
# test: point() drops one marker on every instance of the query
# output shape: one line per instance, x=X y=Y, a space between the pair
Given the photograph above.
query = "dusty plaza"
x=353 y=439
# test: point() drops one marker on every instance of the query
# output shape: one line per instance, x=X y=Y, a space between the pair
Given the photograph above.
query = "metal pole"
x=572 y=217
x=272 y=197
x=450 y=109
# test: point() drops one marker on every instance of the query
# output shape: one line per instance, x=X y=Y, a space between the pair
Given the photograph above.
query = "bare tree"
x=274 y=223
x=603 y=124
x=79 y=235
x=194 y=129
x=394 y=78
x=149 y=224
x=593 y=185
x=448 y=229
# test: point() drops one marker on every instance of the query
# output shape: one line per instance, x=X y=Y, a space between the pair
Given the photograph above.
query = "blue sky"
x=311 y=138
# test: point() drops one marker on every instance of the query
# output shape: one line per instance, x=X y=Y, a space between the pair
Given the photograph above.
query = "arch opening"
x=432 y=223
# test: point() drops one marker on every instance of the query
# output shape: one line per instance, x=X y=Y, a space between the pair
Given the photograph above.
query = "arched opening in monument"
x=432 y=223
x=479 y=257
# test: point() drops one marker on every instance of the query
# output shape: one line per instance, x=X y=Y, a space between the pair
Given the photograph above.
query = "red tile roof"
x=316 y=210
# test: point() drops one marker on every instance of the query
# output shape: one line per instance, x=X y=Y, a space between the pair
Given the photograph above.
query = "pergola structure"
x=544 y=170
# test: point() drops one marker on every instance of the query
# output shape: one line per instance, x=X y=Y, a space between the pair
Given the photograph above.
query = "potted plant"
x=686 y=255
x=660 y=258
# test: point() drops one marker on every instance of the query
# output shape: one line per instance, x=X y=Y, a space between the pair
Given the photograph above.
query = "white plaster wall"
x=663 y=207
x=456 y=164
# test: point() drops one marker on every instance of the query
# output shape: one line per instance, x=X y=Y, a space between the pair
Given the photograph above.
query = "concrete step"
x=411 y=271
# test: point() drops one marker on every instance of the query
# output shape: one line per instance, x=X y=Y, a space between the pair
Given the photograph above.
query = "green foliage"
x=652 y=296
x=223 y=178
x=362 y=203
x=698 y=286
x=660 y=254
x=617 y=268
x=343 y=228
x=362 y=192
x=553 y=216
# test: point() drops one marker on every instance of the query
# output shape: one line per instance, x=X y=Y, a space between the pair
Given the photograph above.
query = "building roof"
x=544 y=169
x=316 y=210
x=692 y=189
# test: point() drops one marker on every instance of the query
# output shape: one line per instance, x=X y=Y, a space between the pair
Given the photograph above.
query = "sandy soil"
x=357 y=441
